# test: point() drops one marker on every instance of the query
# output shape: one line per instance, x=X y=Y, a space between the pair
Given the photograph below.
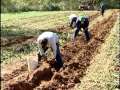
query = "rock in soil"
x=42 y=73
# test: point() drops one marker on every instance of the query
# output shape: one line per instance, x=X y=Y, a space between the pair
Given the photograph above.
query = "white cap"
x=72 y=16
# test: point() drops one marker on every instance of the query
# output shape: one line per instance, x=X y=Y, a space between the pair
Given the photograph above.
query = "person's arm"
x=53 y=45
x=41 y=51
x=73 y=22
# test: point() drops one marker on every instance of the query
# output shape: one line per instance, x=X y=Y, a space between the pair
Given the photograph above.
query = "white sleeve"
x=54 y=47
x=40 y=47
x=41 y=50
x=57 y=38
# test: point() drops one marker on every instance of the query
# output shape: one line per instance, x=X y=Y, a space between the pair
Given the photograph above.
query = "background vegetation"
x=51 y=5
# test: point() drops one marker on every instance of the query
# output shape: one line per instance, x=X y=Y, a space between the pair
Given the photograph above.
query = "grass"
x=17 y=51
x=30 y=24
x=101 y=75
x=42 y=21
x=11 y=16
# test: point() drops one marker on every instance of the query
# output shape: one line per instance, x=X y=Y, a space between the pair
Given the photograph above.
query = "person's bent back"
x=50 y=40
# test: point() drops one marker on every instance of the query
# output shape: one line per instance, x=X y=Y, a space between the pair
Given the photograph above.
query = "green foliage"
x=51 y=5
x=17 y=51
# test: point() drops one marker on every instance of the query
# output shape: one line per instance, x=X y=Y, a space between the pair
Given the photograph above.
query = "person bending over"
x=49 y=40
x=79 y=22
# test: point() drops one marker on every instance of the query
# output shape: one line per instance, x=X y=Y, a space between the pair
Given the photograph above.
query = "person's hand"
x=39 y=57
x=44 y=57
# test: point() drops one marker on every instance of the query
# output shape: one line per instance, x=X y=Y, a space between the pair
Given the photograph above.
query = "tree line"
x=52 y=5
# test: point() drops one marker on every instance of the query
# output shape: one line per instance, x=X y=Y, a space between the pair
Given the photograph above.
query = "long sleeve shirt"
x=82 y=18
x=72 y=16
x=72 y=19
x=52 y=40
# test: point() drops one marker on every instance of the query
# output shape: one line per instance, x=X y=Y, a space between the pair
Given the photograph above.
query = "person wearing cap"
x=79 y=22
x=72 y=20
x=49 y=40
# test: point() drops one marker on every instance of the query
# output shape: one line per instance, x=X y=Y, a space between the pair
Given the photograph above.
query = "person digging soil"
x=79 y=22
x=49 y=40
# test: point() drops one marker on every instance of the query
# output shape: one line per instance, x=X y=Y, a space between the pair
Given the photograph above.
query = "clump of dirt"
x=42 y=73
x=18 y=83
x=15 y=73
x=29 y=81
x=22 y=85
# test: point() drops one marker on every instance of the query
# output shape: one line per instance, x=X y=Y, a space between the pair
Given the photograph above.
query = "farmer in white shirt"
x=50 y=39
x=78 y=23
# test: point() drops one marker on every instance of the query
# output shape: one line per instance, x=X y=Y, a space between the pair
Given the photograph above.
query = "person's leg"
x=59 y=61
x=78 y=28
x=39 y=56
x=76 y=32
x=87 y=34
x=85 y=30
x=102 y=12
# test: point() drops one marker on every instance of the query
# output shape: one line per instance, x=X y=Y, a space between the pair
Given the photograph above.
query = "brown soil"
x=42 y=73
x=7 y=76
x=76 y=60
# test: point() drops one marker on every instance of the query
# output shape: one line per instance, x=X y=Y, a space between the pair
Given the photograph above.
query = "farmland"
x=30 y=27
x=18 y=42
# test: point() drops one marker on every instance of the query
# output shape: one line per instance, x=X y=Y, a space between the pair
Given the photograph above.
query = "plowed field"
x=76 y=60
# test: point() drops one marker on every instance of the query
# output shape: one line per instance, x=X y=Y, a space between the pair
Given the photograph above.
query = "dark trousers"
x=78 y=28
x=58 y=57
x=87 y=34
x=102 y=11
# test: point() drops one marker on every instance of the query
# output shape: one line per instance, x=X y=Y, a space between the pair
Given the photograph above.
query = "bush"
x=50 y=7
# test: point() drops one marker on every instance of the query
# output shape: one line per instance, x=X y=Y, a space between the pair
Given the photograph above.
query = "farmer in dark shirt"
x=102 y=6
x=78 y=23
